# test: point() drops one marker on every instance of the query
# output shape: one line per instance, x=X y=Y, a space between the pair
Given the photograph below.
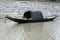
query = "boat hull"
x=29 y=21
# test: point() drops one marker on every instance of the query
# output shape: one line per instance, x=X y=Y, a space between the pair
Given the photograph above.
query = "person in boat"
x=33 y=15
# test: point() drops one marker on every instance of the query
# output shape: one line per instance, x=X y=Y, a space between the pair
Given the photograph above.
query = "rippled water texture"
x=10 y=30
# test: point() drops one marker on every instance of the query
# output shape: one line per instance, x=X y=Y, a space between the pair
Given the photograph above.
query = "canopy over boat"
x=33 y=15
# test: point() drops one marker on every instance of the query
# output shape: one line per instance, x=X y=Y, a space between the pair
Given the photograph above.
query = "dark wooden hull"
x=29 y=21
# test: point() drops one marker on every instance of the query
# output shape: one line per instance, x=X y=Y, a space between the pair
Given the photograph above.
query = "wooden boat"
x=30 y=21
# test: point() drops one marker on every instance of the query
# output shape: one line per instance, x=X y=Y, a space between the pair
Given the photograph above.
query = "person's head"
x=27 y=14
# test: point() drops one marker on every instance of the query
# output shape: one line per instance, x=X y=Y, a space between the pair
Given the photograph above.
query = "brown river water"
x=31 y=31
